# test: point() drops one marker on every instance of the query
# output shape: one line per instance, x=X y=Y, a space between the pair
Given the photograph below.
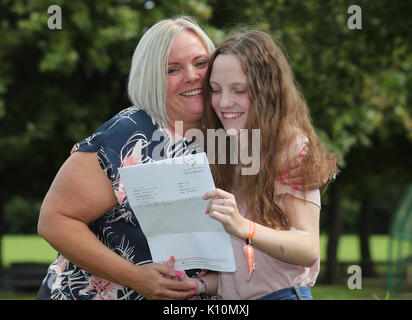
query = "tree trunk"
x=365 y=227
x=334 y=230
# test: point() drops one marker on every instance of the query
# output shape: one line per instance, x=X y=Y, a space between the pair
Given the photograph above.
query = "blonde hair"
x=280 y=112
x=147 y=84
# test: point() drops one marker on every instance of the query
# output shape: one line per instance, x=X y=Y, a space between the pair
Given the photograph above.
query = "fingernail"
x=193 y=293
x=296 y=187
x=284 y=170
x=193 y=288
x=178 y=273
x=283 y=181
x=207 y=211
x=303 y=152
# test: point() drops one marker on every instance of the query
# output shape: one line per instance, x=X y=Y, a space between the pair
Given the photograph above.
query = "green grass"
x=349 y=248
x=32 y=248
x=26 y=248
x=5 y=295
x=319 y=292
x=341 y=292
x=21 y=248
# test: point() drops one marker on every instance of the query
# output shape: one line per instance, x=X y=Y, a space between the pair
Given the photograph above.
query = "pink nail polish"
x=283 y=170
x=178 y=273
x=193 y=288
x=303 y=152
x=193 y=293
x=296 y=187
x=283 y=181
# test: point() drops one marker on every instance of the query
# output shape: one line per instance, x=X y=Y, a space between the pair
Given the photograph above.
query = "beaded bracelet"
x=204 y=285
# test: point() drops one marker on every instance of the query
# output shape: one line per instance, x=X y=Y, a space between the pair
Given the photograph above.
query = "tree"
x=355 y=84
x=57 y=86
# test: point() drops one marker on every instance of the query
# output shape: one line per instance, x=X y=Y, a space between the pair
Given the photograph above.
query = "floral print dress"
x=126 y=139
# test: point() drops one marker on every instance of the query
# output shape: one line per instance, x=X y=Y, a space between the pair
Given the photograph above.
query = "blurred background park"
x=58 y=86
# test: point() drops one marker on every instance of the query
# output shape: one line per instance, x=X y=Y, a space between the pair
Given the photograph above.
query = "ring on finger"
x=222 y=202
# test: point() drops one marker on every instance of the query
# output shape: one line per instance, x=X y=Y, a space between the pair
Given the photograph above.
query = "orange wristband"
x=248 y=248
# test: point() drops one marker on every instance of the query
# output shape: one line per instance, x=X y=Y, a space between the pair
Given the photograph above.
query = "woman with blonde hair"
x=85 y=216
x=274 y=227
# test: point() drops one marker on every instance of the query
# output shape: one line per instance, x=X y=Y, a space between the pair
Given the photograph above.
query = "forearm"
x=287 y=245
x=211 y=281
x=74 y=240
x=80 y=194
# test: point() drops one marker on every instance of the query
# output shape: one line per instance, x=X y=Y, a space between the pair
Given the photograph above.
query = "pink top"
x=270 y=274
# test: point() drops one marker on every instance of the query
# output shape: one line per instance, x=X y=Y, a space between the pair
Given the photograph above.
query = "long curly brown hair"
x=280 y=112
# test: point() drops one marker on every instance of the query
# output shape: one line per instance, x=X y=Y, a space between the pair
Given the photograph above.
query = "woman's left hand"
x=292 y=175
x=223 y=208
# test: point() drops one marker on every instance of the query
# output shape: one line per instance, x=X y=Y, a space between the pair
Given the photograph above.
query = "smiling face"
x=186 y=71
x=230 y=98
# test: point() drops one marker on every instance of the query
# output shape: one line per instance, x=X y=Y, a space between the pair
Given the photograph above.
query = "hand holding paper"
x=166 y=197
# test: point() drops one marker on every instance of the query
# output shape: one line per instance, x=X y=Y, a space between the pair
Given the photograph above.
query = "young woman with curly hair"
x=274 y=227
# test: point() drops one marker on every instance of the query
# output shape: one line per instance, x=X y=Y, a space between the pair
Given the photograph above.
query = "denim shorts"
x=291 y=293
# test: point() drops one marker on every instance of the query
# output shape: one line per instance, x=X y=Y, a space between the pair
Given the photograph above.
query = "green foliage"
x=21 y=214
x=58 y=86
x=355 y=85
